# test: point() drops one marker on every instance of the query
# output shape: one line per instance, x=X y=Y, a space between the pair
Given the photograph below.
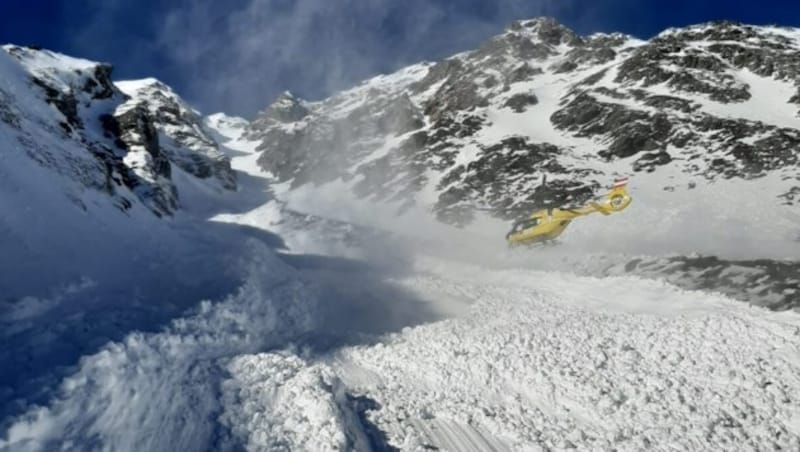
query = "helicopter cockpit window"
x=531 y=223
x=524 y=224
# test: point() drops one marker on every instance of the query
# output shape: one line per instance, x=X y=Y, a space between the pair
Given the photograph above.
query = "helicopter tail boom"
x=617 y=198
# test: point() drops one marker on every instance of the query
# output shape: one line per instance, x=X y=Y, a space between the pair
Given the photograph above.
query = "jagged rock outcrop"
x=182 y=136
x=703 y=69
x=286 y=108
x=55 y=104
x=134 y=130
x=68 y=116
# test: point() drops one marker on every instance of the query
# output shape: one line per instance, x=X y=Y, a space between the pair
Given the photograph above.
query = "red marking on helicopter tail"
x=620 y=183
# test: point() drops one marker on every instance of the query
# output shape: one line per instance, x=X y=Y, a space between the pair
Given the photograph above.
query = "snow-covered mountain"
x=84 y=163
x=709 y=102
x=183 y=138
x=68 y=116
x=705 y=120
x=332 y=275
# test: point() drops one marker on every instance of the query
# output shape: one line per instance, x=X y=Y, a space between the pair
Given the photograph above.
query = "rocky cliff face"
x=713 y=101
x=182 y=136
x=688 y=92
x=68 y=116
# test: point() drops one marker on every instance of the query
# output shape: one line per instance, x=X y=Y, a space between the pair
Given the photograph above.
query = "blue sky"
x=237 y=55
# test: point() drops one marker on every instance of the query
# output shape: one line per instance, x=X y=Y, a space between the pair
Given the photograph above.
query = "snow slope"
x=532 y=361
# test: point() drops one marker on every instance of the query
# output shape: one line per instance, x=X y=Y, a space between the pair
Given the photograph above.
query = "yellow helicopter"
x=547 y=224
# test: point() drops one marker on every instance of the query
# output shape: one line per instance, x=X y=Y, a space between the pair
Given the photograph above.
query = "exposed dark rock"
x=437 y=73
x=654 y=63
x=566 y=66
x=490 y=82
x=631 y=131
x=523 y=73
x=671 y=103
x=152 y=168
x=598 y=50
x=458 y=96
x=780 y=149
x=66 y=103
x=286 y=108
x=184 y=140
x=610 y=92
x=796 y=98
x=112 y=130
x=7 y=113
x=649 y=161
x=594 y=78
x=551 y=32
x=523 y=48
x=770 y=283
x=520 y=102
x=484 y=182
x=100 y=86
x=634 y=137
x=447 y=128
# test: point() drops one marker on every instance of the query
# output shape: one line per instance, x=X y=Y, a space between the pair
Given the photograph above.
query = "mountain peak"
x=63 y=74
x=546 y=29
x=130 y=86
x=287 y=108
x=38 y=59
x=157 y=94
x=186 y=140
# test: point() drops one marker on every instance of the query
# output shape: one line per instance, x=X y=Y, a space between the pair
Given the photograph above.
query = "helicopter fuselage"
x=547 y=224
